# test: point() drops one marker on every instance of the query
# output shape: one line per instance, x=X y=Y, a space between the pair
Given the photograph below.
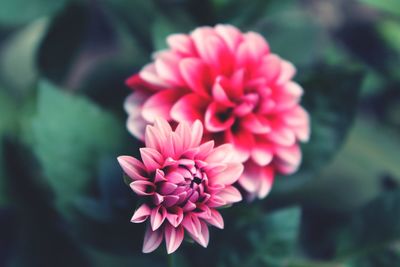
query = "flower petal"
x=152 y=159
x=133 y=167
x=204 y=235
x=218 y=118
x=176 y=217
x=141 y=214
x=195 y=74
x=142 y=188
x=230 y=175
x=181 y=43
x=215 y=219
x=173 y=238
x=152 y=239
x=190 y=108
x=157 y=217
x=160 y=104
x=230 y=194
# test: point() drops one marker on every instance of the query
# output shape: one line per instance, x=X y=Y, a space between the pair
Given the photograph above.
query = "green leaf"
x=373 y=235
x=331 y=98
x=61 y=45
x=293 y=35
x=389 y=6
x=164 y=26
x=268 y=240
x=14 y=12
x=18 y=57
x=69 y=136
x=8 y=126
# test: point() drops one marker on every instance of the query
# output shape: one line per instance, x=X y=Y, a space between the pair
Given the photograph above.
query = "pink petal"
x=158 y=199
x=132 y=105
x=170 y=200
x=230 y=34
x=181 y=43
x=152 y=159
x=149 y=75
x=256 y=180
x=204 y=236
x=269 y=68
x=190 y=108
x=166 y=188
x=256 y=124
x=141 y=214
x=157 y=217
x=152 y=239
x=302 y=132
x=217 y=55
x=216 y=219
x=289 y=157
x=236 y=88
x=192 y=224
x=229 y=176
x=196 y=133
x=218 y=118
x=230 y=194
x=184 y=134
x=288 y=96
x=282 y=135
x=296 y=116
x=167 y=67
x=199 y=36
x=175 y=218
x=220 y=154
x=262 y=153
x=205 y=149
x=162 y=126
x=287 y=72
x=153 y=138
x=160 y=104
x=219 y=94
x=257 y=45
x=173 y=237
x=195 y=74
x=266 y=182
x=132 y=167
x=175 y=177
x=143 y=188
x=242 y=141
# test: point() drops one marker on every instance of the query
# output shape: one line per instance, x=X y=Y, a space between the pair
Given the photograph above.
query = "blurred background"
x=63 y=201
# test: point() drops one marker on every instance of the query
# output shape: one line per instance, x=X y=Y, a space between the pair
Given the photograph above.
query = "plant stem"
x=171 y=260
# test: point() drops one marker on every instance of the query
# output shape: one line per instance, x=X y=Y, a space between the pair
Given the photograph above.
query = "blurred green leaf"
x=331 y=98
x=389 y=6
x=19 y=11
x=373 y=235
x=164 y=26
x=62 y=42
x=18 y=57
x=69 y=136
x=390 y=31
x=8 y=125
x=269 y=240
x=138 y=16
x=294 y=35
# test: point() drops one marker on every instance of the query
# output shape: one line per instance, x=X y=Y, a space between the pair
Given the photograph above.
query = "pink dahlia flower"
x=243 y=94
x=182 y=182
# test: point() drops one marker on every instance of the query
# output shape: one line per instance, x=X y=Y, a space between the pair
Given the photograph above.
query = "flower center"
x=183 y=183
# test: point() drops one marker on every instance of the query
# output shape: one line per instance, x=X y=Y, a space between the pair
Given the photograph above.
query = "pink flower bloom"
x=182 y=182
x=241 y=92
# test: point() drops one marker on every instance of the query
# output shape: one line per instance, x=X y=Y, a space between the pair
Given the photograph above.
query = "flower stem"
x=171 y=260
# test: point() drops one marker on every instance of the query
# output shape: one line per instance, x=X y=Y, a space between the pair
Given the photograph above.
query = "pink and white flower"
x=243 y=94
x=181 y=182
